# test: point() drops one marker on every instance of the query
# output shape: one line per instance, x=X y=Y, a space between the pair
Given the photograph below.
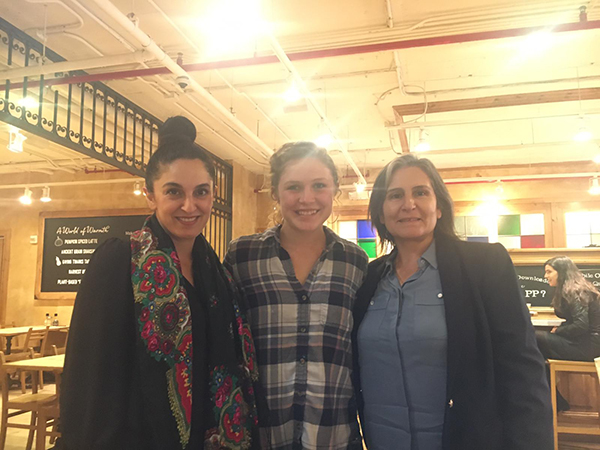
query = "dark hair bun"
x=177 y=126
x=169 y=142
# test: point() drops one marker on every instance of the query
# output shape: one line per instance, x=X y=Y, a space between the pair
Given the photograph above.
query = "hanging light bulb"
x=584 y=134
x=45 y=195
x=26 y=197
x=15 y=142
x=423 y=145
x=360 y=187
x=137 y=188
x=597 y=159
x=594 y=186
x=499 y=188
x=293 y=94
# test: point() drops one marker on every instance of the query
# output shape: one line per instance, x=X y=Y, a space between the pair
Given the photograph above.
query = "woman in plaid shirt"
x=299 y=280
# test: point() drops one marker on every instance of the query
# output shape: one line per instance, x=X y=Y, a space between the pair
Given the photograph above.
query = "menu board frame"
x=42 y=295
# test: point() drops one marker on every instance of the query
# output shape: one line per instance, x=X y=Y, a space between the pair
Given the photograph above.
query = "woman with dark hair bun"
x=160 y=355
x=575 y=300
x=444 y=350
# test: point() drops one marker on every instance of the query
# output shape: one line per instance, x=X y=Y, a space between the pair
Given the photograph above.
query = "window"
x=511 y=230
x=360 y=232
x=582 y=229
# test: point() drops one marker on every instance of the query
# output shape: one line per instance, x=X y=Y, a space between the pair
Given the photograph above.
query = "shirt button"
x=372 y=302
x=302 y=329
x=450 y=403
x=304 y=298
x=303 y=360
x=440 y=295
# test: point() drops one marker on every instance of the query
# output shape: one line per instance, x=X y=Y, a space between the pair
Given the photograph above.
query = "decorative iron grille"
x=93 y=119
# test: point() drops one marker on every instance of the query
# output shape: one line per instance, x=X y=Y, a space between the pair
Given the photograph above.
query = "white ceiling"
x=356 y=92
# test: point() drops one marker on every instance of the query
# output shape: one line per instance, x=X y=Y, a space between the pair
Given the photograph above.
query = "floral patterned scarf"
x=165 y=331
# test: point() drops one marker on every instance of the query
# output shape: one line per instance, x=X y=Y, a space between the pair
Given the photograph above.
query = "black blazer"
x=497 y=393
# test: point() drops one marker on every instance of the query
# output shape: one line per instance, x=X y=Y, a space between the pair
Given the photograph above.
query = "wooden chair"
x=54 y=343
x=48 y=415
x=22 y=404
x=557 y=366
x=32 y=339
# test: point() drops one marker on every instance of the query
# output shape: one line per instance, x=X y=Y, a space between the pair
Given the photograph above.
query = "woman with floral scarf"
x=159 y=353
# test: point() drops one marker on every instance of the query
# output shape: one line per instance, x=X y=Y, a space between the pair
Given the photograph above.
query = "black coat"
x=497 y=393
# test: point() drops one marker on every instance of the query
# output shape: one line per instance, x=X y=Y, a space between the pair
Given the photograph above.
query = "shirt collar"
x=428 y=257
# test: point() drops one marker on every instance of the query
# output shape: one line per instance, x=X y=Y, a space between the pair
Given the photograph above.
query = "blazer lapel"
x=453 y=280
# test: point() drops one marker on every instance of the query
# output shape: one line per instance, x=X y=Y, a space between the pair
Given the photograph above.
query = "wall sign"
x=68 y=242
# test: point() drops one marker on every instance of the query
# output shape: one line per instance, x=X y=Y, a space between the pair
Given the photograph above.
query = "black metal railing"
x=92 y=119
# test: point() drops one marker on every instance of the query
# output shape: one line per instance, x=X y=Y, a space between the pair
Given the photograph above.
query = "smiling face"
x=305 y=194
x=182 y=199
x=551 y=275
x=410 y=209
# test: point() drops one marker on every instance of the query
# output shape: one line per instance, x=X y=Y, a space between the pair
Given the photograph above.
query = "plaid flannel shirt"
x=302 y=335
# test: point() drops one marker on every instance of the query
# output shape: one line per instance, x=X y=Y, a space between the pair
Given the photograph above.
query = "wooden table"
x=546 y=322
x=10 y=333
x=54 y=363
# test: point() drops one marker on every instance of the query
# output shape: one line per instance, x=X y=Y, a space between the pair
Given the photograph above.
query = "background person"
x=577 y=301
x=445 y=354
x=299 y=280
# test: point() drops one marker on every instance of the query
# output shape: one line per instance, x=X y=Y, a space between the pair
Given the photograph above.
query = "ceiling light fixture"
x=594 y=186
x=137 y=188
x=26 y=197
x=360 y=187
x=15 y=141
x=293 y=94
x=499 y=187
x=584 y=134
x=28 y=102
x=423 y=145
x=45 y=195
x=324 y=141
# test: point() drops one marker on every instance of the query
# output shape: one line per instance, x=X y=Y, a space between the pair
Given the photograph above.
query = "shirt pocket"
x=430 y=317
x=371 y=327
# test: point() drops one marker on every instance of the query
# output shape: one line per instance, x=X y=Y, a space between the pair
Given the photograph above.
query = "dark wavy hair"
x=175 y=145
x=445 y=224
x=571 y=284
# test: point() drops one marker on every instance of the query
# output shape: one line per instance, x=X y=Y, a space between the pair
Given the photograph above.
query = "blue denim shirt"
x=402 y=344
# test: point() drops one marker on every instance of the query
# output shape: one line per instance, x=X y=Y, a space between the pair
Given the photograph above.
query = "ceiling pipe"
x=69 y=183
x=67 y=66
x=56 y=28
x=506 y=179
x=148 y=44
x=390 y=14
x=311 y=99
x=329 y=53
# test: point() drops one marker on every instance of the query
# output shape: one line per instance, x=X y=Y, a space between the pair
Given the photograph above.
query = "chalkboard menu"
x=68 y=244
x=536 y=289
